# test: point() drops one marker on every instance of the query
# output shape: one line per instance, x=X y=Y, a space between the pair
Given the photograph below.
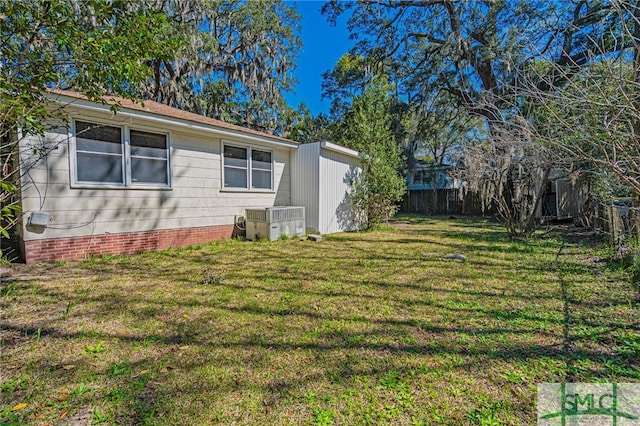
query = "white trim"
x=248 y=191
x=73 y=159
x=249 y=168
x=272 y=171
x=224 y=166
x=167 y=135
x=178 y=122
x=126 y=157
x=340 y=149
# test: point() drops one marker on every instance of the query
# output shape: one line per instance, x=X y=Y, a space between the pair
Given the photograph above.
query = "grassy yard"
x=358 y=328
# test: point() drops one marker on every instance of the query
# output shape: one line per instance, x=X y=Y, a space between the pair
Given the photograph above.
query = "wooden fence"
x=443 y=201
x=620 y=223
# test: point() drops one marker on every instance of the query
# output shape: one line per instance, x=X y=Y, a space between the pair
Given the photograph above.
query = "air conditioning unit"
x=274 y=222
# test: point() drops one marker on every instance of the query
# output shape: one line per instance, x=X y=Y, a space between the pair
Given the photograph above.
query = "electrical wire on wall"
x=42 y=197
x=77 y=225
x=80 y=225
x=46 y=185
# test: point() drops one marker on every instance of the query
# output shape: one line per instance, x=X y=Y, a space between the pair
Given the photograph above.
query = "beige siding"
x=195 y=199
x=336 y=211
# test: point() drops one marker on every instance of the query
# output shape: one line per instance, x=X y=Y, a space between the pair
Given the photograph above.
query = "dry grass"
x=359 y=328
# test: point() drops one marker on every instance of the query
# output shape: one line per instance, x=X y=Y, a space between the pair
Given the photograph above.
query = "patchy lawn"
x=359 y=328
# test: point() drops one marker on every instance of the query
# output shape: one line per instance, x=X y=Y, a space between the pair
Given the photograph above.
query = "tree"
x=436 y=131
x=473 y=50
x=367 y=129
x=423 y=123
x=509 y=173
x=94 y=46
x=309 y=128
x=350 y=75
x=591 y=116
x=236 y=65
x=231 y=60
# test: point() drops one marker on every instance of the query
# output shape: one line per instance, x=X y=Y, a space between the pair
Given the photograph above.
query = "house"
x=427 y=177
x=151 y=177
x=431 y=189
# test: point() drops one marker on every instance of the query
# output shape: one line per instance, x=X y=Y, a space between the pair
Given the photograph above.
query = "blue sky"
x=323 y=45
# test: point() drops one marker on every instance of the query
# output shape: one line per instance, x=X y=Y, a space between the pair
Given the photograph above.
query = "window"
x=104 y=156
x=99 y=153
x=261 y=169
x=235 y=167
x=247 y=168
x=149 y=157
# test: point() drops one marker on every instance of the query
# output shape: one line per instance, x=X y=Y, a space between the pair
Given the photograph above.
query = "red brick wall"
x=76 y=248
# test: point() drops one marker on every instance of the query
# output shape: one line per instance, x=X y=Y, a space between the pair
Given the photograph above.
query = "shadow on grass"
x=292 y=317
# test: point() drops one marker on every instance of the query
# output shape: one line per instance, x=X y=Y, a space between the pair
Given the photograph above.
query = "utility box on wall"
x=274 y=222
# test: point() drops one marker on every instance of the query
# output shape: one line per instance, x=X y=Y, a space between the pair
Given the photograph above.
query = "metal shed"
x=321 y=176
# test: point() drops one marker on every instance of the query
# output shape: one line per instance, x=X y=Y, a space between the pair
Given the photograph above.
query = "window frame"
x=122 y=156
x=249 y=184
x=126 y=156
x=129 y=156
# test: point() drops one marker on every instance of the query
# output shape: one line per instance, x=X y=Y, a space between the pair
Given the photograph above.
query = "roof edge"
x=151 y=110
x=340 y=149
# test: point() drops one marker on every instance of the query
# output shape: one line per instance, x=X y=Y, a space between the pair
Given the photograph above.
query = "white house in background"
x=152 y=177
x=322 y=173
x=427 y=177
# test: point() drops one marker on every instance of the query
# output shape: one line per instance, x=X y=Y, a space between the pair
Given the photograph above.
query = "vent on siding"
x=256 y=215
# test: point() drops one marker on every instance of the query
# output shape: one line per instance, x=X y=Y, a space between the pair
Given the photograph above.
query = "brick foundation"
x=76 y=248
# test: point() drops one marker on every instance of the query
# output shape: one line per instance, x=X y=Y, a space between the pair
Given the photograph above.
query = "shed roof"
x=340 y=149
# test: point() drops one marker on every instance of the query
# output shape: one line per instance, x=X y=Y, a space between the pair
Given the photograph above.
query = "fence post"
x=634 y=224
x=612 y=226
